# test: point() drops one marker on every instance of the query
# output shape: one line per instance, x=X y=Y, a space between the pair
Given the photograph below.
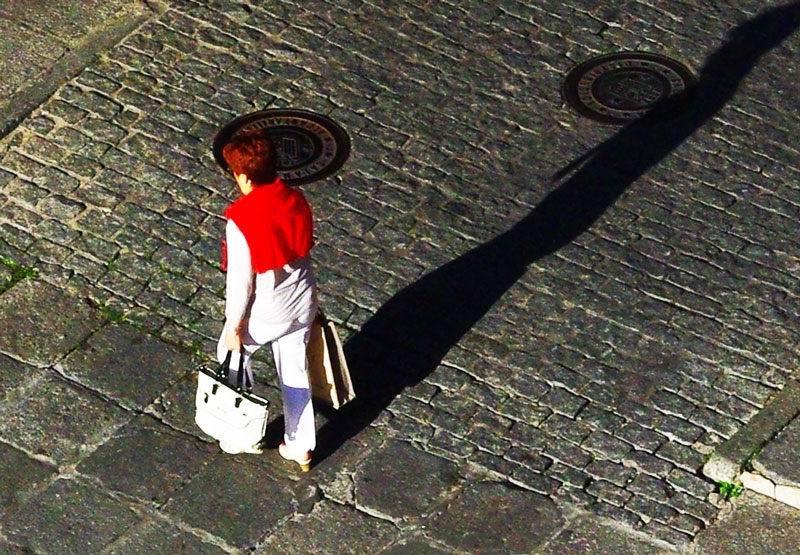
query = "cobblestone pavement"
x=585 y=328
x=44 y=44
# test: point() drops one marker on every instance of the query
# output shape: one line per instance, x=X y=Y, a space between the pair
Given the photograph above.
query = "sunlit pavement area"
x=555 y=326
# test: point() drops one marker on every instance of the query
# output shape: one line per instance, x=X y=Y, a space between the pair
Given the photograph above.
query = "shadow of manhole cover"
x=622 y=87
x=310 y=146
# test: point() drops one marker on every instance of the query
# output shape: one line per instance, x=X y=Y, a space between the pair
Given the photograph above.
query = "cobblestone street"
x=535 y=302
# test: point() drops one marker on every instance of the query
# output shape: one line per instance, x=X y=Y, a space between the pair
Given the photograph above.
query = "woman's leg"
x=298 y=412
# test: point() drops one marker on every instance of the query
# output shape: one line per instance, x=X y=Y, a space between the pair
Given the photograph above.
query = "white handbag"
x=231 y=414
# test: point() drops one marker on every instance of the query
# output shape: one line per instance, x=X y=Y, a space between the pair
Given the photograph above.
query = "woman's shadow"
x=411 y=333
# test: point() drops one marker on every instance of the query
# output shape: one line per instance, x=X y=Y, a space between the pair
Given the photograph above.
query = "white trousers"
x=289 y=351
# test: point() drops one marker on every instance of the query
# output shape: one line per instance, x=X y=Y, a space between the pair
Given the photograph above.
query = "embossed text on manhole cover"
x=622 y=87
x=310 y=146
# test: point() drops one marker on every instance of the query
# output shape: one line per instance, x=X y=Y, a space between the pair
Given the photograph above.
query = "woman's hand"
x=233 y=341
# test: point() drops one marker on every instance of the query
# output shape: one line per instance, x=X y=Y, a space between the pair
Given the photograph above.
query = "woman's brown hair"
x=252 y=154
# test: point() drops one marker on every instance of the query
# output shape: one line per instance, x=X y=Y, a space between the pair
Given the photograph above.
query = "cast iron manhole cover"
x=309 y=146
x=622 y=87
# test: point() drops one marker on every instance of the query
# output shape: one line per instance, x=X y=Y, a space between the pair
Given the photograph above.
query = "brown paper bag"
x=327 y=367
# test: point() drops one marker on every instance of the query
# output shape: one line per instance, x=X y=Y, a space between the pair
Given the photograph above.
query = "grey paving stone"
x=415 y=545
x=758 y=525
x=588 y=535
x=402 y=482
x=148 y=460
x=614 y=473
x=14 y=375
x=491 y=517
x=668 y=532
x=10 y=549
x=69 y=517
x=254 y=504
x=42 y=323
x=22 y=476
x=157 y=536
x=606 y=446
x=127 y=365
x=700 y=509
x=609 y=493
x=58 y=420
x=331 y=527
x=690 y=482
x=777 y=460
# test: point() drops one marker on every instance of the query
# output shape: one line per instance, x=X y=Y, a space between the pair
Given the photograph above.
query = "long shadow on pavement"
x=411 y=333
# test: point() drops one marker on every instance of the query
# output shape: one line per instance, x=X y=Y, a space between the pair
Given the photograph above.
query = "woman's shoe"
x=235 y=450
x=303 y=460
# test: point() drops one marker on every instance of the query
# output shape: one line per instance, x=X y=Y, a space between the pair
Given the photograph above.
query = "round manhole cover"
x=310 y=146
x=622 y=87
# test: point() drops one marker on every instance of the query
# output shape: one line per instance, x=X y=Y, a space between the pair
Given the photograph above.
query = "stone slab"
x=69 y=517
x=790 y=495
x=59 y=421
x=757 y=525
x=175 y=407
x=41 y=324
x=415 y=545
x=148 y=460
x=156 y=536
x=14 y=374
x=591 y=535
x=402 y=482
x=757 y=483
x=127 y=365
x=778 y=460
x=331 y=528
x=492 y=517
x=235 y=500
x=22 y=476
x=9 y=549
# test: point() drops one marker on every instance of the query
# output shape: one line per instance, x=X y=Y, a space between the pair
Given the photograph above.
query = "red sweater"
x=276 y=222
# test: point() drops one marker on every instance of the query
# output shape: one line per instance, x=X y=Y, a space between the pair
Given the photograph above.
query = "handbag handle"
x=243 y=377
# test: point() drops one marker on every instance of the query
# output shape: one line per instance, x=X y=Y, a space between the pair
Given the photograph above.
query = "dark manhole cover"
x=310 y=146
x=622 y=87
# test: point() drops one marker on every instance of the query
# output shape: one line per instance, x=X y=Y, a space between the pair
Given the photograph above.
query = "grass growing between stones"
x=111 y=314
x=730 y=490
x=18 y=273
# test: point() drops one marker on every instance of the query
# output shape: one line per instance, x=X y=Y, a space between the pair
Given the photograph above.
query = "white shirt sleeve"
x=239 y=279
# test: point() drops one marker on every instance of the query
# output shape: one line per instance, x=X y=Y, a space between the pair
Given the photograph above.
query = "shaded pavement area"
x=565 y=337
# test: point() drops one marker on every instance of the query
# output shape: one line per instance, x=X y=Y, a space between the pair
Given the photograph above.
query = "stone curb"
x=790 y=495
x=20 y=104
x=731 y=460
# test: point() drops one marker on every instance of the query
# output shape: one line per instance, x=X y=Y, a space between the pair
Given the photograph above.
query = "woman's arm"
x=238 y=284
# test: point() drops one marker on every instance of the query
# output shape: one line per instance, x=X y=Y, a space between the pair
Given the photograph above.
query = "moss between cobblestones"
x=112 y=315
x=194 y=348
x=18 y=273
